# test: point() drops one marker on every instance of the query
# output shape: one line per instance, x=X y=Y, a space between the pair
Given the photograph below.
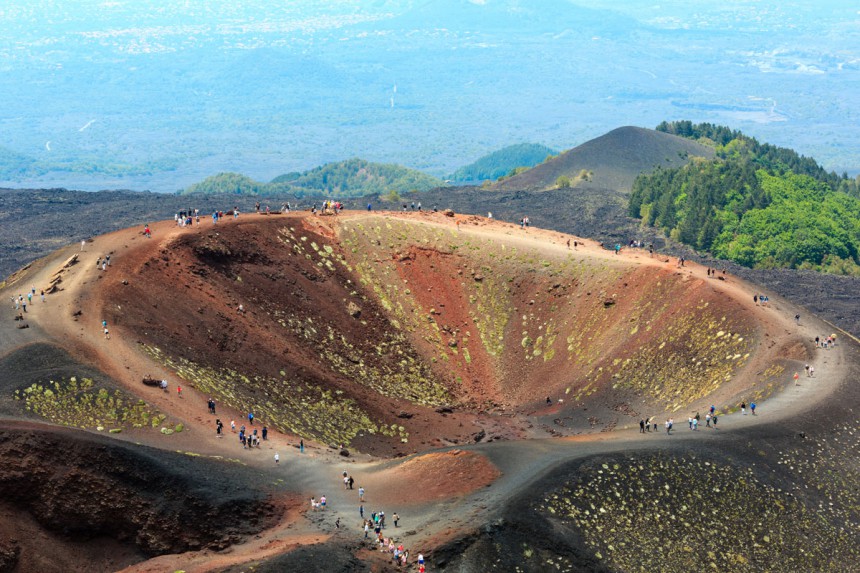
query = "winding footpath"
x=521 y=463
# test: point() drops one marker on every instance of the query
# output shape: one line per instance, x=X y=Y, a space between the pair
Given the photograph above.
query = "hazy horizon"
x=151 y=94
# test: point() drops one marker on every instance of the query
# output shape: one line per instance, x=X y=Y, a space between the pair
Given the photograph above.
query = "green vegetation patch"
x=82 y=404
x=656 y=512
x=503 y=161
x=350 y=178
x=296 y=407
x=756 y=204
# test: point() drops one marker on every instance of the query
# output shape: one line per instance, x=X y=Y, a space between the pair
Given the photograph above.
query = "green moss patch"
x=82 y=404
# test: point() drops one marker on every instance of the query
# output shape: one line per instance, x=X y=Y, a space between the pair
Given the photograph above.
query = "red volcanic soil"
x=393 y=311
x=183 y=296
x=435 y=476
x=457 y=333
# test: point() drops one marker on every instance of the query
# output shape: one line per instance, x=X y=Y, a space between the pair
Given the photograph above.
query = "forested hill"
x=731 y=143
x=756 y=204
x=350 y=178
x=503 y=161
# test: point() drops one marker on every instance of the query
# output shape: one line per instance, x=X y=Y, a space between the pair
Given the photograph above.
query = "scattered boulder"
x=405 y=415
x=449 y=213
x=9 y=554
x=344 y=452
x=444 y=410
x=353 y=309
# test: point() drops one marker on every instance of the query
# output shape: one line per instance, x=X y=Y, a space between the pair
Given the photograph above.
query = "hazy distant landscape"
x=571 y=231
x=159 y=95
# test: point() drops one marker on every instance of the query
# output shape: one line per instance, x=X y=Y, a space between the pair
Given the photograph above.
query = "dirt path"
x=432 y=515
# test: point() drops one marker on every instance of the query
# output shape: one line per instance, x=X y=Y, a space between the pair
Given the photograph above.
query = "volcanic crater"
x=358 y=339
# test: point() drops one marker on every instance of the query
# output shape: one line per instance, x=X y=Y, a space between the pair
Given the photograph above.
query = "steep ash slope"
x=374 y=326
x=612 y=160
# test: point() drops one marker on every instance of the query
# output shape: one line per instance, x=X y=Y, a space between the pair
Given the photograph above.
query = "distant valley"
x=161 y=95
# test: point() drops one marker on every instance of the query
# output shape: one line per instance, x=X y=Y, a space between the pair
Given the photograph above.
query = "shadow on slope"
x=85 y=487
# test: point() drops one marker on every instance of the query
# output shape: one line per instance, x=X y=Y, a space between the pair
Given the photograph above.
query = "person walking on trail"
x=796 y=375
x=265 y=433
x=812 y=371
x=107 y=334
x=797 y=318
x=251 y=418
x=277 y=458
x=179 y=390
x=752 y=408
x=361 y=494
x=743 y=408
x=395 y=518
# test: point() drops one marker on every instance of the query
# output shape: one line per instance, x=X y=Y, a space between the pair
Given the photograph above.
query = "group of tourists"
x=103 y=263
x=376 y=523
x=825 y=342
x=711 y=416
x=21 y=301
x=186 y=218
x=333 y=207
x=761 y=300
x=648 y=425
x=252 y=440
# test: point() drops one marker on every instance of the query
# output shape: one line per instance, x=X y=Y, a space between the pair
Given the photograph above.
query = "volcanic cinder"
x=511 y=365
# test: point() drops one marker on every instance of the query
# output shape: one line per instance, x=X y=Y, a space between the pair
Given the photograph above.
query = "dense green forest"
x=232 y=183
x=757 y=204
x=343 y=179
x=501 y=162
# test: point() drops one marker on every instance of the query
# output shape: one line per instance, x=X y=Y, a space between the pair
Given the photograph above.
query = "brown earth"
x=455 y=329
